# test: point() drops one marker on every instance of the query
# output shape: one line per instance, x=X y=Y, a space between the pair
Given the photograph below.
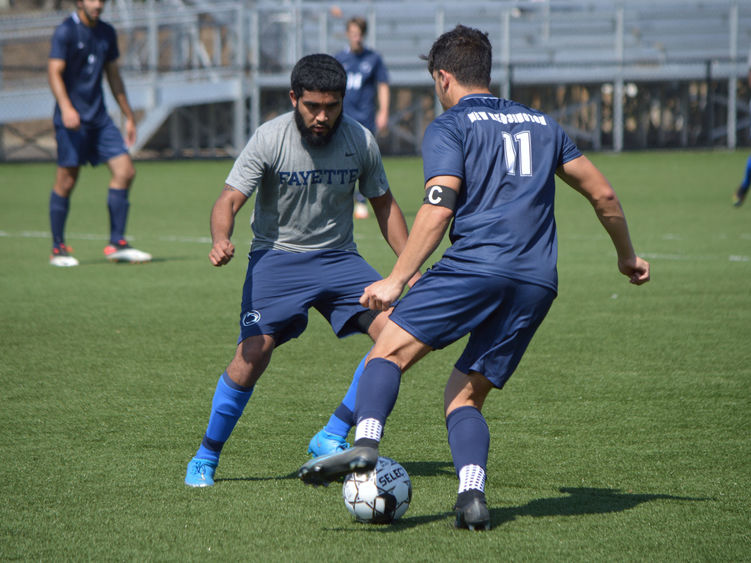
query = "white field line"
x=207 y=240
x=88 y=236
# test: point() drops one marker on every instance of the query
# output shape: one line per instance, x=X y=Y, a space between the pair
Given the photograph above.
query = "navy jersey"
x=85 y=51
x=365 y=70
x=506 y=155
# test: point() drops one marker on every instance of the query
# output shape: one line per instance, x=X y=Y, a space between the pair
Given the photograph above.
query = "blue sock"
x=59 y=207
x=746 y=178
x=343 y=418
x=378 y=390
x=118 y=204
x=469 y=437
x=228 y=404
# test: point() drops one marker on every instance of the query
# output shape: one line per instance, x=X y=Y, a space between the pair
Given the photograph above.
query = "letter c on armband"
x=440 y=196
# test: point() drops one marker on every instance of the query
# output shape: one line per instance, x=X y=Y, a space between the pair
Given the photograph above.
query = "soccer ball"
x=379 y=496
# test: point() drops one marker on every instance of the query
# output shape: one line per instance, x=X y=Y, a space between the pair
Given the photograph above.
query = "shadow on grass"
x=429 y=468
x=292 y=475
x=579 y=501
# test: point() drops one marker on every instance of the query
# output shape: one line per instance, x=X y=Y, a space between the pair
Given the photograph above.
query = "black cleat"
x=327 y=468
x=472 y=511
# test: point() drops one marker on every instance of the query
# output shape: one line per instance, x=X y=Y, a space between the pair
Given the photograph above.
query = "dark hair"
x=318 y=73
x=466 y=53
x=359 y=22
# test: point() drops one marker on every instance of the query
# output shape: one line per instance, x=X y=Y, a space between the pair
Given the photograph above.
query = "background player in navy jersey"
x=490 y=164
x=368 y=94
x=304 y=166
x=739 y=195
x=83 y=48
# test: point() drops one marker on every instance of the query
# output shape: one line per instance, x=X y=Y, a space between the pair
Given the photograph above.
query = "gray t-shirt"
x=305 y=194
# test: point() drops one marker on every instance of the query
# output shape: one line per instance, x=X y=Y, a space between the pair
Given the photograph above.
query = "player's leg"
x=233 y=390
x=109 y=147
x=278 y=289
x=332 y=437
x=71 y=154
x=59 y=207
x=493 y=351
x=740 y=194
x=469 y=441
x=123 y=172
x=394 y=352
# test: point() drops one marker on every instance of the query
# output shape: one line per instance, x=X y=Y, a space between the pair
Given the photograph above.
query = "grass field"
x=624 y=435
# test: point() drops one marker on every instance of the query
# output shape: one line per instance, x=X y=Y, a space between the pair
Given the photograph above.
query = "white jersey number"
x=518 y=149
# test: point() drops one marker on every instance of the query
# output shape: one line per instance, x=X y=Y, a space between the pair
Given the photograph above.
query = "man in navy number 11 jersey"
x=490 y=164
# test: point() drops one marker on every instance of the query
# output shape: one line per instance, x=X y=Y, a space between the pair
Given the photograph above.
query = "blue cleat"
x=325 y=443
x=200 y=473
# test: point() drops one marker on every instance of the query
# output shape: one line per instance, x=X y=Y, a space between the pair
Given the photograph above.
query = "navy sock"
x=118 y=205
x=378 y=390
x=228 y=404
x=59 y=207
x=343 y=418
x=469 y=437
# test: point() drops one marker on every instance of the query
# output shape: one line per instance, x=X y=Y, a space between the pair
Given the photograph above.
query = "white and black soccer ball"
x=379 y=496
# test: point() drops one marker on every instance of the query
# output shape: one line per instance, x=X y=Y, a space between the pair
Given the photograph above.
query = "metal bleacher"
x=204 y=74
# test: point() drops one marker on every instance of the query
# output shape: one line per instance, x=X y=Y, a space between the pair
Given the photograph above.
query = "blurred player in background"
x=304 y=167
x=739 y=196
x=368 y=94
x=83 y=48
x=490 y=165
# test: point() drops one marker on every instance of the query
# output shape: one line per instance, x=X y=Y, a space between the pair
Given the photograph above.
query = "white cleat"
x=61 y=257
x=123 y=252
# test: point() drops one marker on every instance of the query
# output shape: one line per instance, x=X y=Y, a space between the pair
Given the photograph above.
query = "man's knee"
x=251 y=360
x=123 y=171
x=65 y=181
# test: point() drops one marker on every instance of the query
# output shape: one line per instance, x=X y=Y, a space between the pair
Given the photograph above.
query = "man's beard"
x=311 y=138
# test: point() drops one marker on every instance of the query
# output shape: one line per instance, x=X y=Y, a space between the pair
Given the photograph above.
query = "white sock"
x=369 y=428
x=471 y=477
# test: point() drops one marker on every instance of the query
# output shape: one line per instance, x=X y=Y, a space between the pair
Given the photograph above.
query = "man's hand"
x=636 y=269
x=380 y=295
x=222 y=252
x=130 y=133
x=71 y=119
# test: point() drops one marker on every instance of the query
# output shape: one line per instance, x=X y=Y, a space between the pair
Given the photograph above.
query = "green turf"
x=624 y=435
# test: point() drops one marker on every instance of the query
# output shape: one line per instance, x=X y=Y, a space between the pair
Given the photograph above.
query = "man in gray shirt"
x=303 y=167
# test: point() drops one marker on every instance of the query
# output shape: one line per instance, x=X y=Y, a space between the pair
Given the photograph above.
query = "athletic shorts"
x=91 y=143
x=500 y=315
x=280 y=288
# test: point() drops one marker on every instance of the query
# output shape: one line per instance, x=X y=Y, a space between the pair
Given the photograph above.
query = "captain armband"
x=441 y=196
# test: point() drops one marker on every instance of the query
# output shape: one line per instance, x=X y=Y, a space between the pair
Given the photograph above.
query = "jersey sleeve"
x=247 y=172
x=568 y=149
x=442 y=152
x=113 y=52
x=60 y=42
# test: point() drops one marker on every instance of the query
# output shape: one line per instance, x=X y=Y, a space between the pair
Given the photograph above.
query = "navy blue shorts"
x=500 y=314
x=280 y=288
x=91 y=143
